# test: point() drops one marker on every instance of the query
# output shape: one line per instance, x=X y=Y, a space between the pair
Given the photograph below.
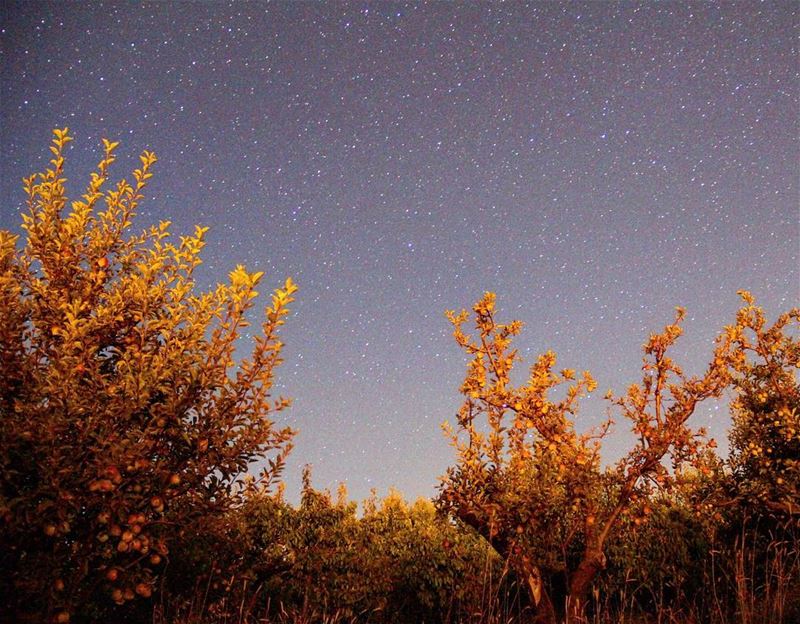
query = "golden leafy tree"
x=123 y=415
x=533 y=486
x=765 y=438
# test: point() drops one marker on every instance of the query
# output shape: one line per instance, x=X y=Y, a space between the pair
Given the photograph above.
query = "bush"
x=321 y=561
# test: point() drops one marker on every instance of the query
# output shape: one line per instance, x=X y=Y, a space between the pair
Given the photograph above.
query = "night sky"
x=594 y=164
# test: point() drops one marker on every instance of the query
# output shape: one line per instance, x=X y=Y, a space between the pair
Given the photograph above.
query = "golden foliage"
x=124 y=416
x=765 y=439
x=533 y=486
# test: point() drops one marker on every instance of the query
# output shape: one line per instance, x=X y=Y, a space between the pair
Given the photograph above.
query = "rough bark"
x=531 y=575
x=580 y=584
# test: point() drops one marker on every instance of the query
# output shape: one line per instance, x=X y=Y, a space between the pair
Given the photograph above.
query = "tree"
x=765 y=438
x=533 y=487
x=760 y=493
x=123 y=416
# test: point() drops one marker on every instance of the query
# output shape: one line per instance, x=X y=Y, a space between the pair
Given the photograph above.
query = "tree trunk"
x=545 y=611
x=531 y=575
x=580 y=584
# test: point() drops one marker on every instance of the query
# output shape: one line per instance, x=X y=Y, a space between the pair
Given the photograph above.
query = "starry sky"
x=595 y=164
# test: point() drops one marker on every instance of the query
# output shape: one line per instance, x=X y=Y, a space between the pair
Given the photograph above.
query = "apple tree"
x=124 y=417
x=765 y=438
x=533 y=486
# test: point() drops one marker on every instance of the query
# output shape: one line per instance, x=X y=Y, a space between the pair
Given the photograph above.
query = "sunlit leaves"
x=531 y=484
x=125 y=417
x=765 y=443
